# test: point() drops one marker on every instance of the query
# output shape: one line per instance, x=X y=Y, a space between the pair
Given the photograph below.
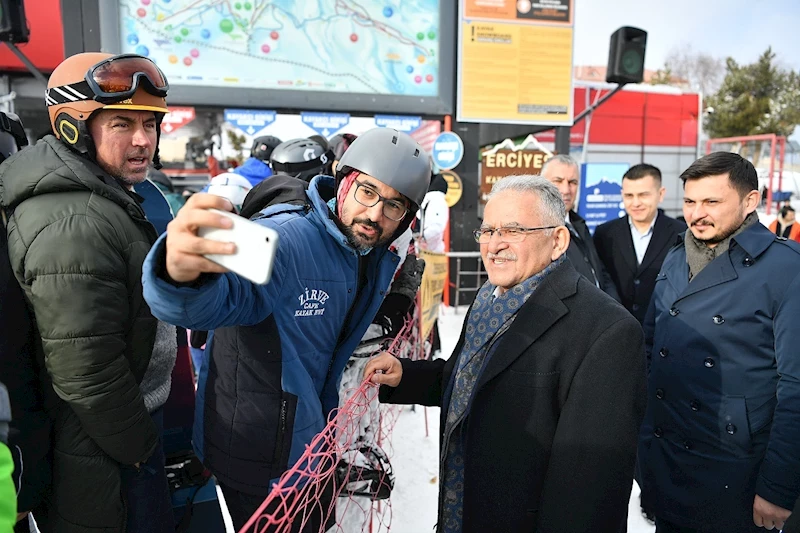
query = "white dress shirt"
x=641 y=240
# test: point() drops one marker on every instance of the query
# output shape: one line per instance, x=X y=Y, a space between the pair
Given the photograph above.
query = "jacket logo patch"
x=312 y=303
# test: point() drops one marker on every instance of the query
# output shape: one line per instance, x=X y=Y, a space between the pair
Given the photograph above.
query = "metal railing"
x=478 y=275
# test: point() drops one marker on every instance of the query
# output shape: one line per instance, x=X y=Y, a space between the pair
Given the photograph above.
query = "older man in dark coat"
x=720 y=445
x=543 y=396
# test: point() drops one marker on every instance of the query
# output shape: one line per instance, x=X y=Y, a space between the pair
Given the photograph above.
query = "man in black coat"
x=562 y=171
x=544 y=394
x=633 y=247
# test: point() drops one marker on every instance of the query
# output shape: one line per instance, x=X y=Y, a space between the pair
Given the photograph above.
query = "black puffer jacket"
x=77 y=242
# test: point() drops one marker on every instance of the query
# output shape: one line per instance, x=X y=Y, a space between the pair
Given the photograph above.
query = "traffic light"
x=626 y=56
x=13 y=26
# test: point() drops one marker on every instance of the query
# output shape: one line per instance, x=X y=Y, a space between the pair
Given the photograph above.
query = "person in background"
x=30 y=427
x=633 y=247
x=8 y=492
x=300 y=158
x=538 y=423
x=77 y=238
x=719 y=449
x=562 y=171
x=784 y=226
x=434 y=215
x=256 y=167
x=338 y=145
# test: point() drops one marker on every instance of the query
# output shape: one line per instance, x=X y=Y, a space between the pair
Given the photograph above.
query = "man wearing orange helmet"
x=77 y=239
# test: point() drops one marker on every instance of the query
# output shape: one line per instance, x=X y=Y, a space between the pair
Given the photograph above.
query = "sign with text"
x=448 y=150
x=177 y=118
x=250 y=121
x=515 y=62
x=601 y=193
x=455 y=187
x=326 y=124
x=496 y=165
x=405 y=124
x=430 y=290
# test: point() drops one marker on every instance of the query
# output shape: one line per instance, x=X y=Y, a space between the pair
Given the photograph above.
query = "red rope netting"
x=342 y=483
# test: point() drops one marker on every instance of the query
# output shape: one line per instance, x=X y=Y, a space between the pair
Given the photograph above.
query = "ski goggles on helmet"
x=113 y=80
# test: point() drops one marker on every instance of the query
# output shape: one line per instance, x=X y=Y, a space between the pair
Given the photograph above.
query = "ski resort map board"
x=364 y=47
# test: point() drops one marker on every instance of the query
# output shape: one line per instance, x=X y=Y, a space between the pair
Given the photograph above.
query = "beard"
x=358 y=240
x=724 y=232
x=128 y=178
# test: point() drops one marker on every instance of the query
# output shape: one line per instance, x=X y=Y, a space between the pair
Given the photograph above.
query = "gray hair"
x=564 y=159
x=550 y=203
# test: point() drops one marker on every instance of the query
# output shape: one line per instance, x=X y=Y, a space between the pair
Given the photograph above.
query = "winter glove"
x=409 y=278
x=393 y=312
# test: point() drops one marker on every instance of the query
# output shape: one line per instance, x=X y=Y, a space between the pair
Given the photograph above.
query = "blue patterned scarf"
x=488 y=316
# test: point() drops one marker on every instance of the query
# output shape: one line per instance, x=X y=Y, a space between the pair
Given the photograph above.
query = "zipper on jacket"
x=283 y=417
x=282 y=436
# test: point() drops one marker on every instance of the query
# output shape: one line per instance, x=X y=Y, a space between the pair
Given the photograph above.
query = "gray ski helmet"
x=301 y=158
x=263 y=146
x=391 y=157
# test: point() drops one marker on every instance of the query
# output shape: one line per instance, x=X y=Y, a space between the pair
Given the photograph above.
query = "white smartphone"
x=256 y=246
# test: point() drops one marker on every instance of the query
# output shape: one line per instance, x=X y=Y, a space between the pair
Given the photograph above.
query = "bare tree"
x=702 y=71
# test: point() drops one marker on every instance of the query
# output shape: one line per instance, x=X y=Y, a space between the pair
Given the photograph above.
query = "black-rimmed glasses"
x=369 y=197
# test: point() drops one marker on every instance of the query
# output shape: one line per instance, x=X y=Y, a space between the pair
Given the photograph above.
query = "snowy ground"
x=416 y=458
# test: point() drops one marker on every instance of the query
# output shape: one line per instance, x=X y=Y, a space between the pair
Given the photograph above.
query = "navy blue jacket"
x=272 y=368
x=723 y=410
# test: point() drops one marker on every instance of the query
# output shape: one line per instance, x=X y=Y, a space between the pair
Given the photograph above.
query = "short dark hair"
x=642 y=170
x=785 y=210
x=741 y=172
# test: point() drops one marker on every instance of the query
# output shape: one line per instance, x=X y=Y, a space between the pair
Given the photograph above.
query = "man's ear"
x=560 y=242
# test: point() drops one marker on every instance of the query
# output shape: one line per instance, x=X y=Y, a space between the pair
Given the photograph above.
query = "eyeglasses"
x=509 y=234
x=369 y=197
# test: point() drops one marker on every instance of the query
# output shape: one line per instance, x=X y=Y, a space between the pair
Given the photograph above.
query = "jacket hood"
x=49 y=167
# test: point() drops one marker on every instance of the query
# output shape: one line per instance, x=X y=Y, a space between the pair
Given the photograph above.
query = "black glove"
x=393 y=312
x=409 y=278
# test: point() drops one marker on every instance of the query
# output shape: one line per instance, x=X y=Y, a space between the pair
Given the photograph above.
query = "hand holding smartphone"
x=256 y=246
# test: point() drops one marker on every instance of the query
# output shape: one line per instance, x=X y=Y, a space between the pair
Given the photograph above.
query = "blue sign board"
x=402 y=123
x=601 y=193
x=326 y=124
x=249 y=121
x=448 y=150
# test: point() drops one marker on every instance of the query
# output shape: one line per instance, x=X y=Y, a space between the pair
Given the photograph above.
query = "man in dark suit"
x=562 y=171
x=633 y=247
x=538 y=423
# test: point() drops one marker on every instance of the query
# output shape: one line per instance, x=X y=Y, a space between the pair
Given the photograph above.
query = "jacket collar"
x=52 y=167
x=543 y=309
x=755 y=239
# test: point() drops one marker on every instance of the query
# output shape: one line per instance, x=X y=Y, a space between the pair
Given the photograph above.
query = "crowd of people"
x=655 y=349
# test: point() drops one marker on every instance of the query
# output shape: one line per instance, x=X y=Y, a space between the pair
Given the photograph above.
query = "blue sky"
x=741 y=29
